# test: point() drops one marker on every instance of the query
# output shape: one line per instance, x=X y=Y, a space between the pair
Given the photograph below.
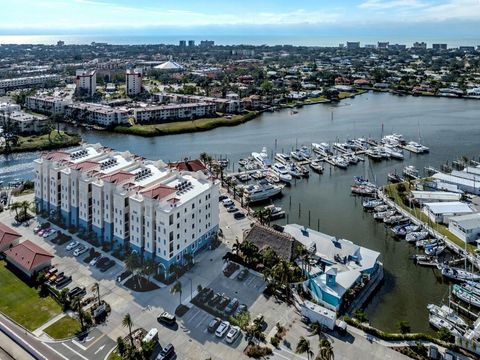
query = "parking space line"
x=79 y=345
x=55 y=351
x=193 y=316
x=74 y=351
x=201 y=321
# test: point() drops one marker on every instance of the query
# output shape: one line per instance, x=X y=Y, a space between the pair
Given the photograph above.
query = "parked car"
x=166 y=353
x=239 y=215
x=124 y=275
x=59 y=283
x=77 y=291
x=222 y=329
x=243 y=274
x=215 y=299
x=205 y=295
x=240 y=309
x=233 y=334
x=37 y=228
x=48 y=232
x=72 y=245
x=231 y=307
x=222 y=197
x=232 y=209
x=213 y=324
x=227 y=203
x=167 y=318
x=101 y=261
x=80 y=250
x=94 y=261
x=109 y=263
x=223 y=302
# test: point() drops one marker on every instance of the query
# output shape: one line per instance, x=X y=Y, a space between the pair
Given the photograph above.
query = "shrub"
x=274 y=340
x=257 y=351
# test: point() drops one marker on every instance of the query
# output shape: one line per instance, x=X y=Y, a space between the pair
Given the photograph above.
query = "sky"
x=246 y=16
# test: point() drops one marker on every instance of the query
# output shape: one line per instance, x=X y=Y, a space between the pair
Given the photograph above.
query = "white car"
x=94 y=261
x=72 y=245
x=222 y=329
x=80 y=250
x=47 y=233
x=233 y=334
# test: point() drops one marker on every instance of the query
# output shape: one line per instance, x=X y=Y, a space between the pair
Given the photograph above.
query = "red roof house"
x=8 y=237
x=28 y=257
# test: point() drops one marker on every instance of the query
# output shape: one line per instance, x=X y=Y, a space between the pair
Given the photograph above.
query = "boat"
x=393 y=152
x=458 y=274
x=371 y=204
x=262 y=191
x=427 y=242
x=297 y=155
x=404 y=230
x=340 y=147
x=434 y=249
x=282 y=158
x=358 y=180
x=466 y=296
x=340 y=162
x=262 y=158
x=416 y=148
x=258 y=175
x=322 y=149
x=410 y=171
x=438 y=322
x=282 y=172
x=293 y=170
x=380 y=216
x=394 y=219
x=242 y=162
x=351 y=158
x=223 y=162
x=425 y=260
x=473 y=287
x=416 y=235
x=381 y=208
x=276 y=212
x=305 y=151
x=244 y=177
x=373 y=154
x=448 y=314
x=304 y=172
x=272 y=178
x=363 y=190
x=316 y=166
x=394 y=178
x=394 y=139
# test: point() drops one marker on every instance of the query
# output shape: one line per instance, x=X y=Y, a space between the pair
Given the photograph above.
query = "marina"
x=324 y=201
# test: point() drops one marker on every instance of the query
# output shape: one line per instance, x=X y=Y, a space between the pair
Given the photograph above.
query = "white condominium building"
x=172 y=112
x=133 y=81
x=47 y=104
x=86 y=81
x=96 y=114
x=231 y=104
x=133 y=204
x=24 y=123
x=28 y=81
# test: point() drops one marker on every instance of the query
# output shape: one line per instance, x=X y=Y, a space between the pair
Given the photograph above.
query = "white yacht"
x=416 y=148
x=322 y=149
x=282 y=172
x=261 y=192
x=262 y=158
x=411 y=172
x=393 y=152
x=297 y=155
x=282 y=157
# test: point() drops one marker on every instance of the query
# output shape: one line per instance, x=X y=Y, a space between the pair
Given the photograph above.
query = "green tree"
x=127 y=322
x=121 y=347
x=360 y=315
x=316 y=328
x=326 y=350
x=77 y=305
x=177 y=288
x=403 y=326
x=249 y=251
x=303 y=347
x=444 y=334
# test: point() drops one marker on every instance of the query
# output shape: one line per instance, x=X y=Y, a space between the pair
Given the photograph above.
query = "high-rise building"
x=133 y=81
x=419 y=45
x=207 y=43
x=382 y=44
x=165 y=213
x=439 y=46
x=191 y=43
x=86 y=81
x=182 y=43
x=353 y=45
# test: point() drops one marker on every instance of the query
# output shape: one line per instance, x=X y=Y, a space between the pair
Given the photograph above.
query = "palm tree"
x=303 y=347
x=25 y=206
x=15 y=207
x=269 y=257
x=96 y=288
x=77 y=304
x=177 y=288
x=175 y=270
x=149 y=268
x=316 y=328
x=326 y=350
x=127 y=322
x=249 y=250
x=236 y=246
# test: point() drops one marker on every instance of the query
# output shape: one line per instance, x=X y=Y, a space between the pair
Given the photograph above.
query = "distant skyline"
x=351 y=19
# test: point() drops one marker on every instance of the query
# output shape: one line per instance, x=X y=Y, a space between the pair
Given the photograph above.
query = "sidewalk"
x=39 y=332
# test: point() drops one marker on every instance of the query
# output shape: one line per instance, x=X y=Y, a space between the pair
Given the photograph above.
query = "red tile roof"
x=190 y=165
x=56 y=155
x=118 y=177
x=7 y=235
x=158 y=192
x=28 y=255
x=84 y=165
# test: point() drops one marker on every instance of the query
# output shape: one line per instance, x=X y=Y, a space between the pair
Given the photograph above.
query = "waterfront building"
x=439 y=46
x=231 y=104
x=7 y=107
x=422 y=197
x=182 y=43
x=173 y=112
x=99 y=114
x=50 y=105
x=133 y=81
x=465 y=227
x=441 y=212
x=86 y=82
x=399 y=47
x=419 y=45
x=191 y=43
x=29 y=81
x=382 y=44
x=207 y=43
x=353 y=45
x=25 y=123
x=467 y=185
x=129 y=203
x=339 y=265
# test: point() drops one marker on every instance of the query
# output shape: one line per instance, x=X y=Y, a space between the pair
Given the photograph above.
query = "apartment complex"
x=133 y=81
x=173 y=112
x=86 y=81
x=47 y=104
x=9 y=84
x=25 y=123
x=231 y=104
x=99 y=114
x=162 y=213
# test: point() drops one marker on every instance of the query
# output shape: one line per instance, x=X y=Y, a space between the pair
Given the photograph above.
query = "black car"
x=124 y=275
x=109 y=263
x=77 y=291
x=205 y=295
x=100 y=262
x=212 y=325
x=222 y=197
x=231 y=307
x=166 y=353
x=63 y=281
x=224 y=302
x=242 y=275
x=239 y=215
x=166 y=318
x=215 y=299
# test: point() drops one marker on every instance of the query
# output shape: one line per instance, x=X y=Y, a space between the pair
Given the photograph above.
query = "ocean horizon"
x=261 y=39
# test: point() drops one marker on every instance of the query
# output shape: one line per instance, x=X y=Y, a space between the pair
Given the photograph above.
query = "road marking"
x=201 y=321
x=79 y=345
x=23 y=341
x=93 y=343
x=55 y=351
x=193 y=317
x=99 y=349
x=74 y=351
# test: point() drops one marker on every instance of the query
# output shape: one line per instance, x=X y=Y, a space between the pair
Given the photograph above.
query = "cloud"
x=391 y=4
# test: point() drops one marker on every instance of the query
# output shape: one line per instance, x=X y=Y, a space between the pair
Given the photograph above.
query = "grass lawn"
x=391 y=191
x=114 y=356
x=64 y=328
x=42 y=142
x=185 y=126
x=22 y=303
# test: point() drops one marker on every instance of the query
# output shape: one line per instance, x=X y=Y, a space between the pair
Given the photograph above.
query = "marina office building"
x=133 y=204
